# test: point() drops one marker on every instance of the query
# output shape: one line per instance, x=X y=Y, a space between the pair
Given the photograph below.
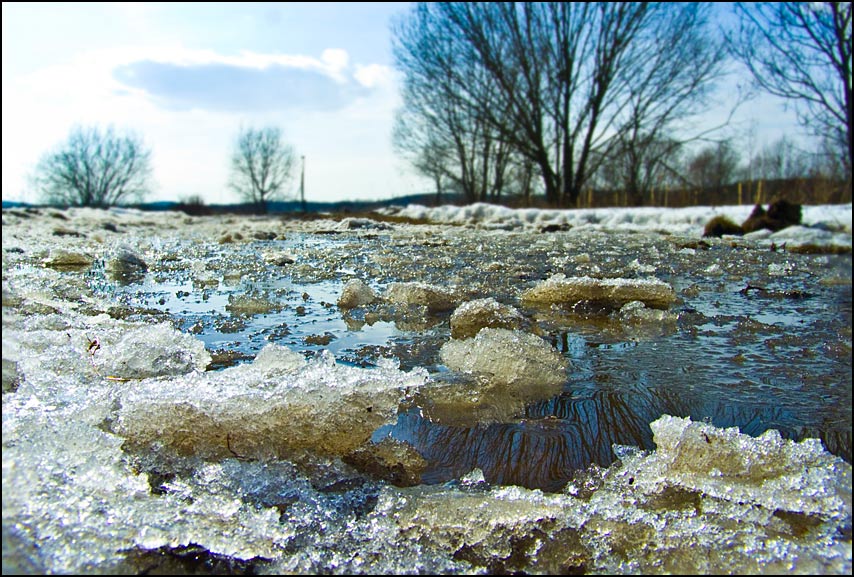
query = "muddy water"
x=759 y=339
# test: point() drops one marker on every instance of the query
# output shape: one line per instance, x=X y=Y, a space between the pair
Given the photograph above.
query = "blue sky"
x=187 y=76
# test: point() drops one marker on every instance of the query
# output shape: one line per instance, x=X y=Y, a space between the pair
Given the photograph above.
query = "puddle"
x=755 y=359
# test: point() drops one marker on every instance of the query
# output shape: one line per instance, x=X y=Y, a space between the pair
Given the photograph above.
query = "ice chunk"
x=275 y=358
x=394 y=461
x=493 y=528
x=473 y=477
x=462 y=400
x=287 y=407
x=125 y=261
x=355 y=294
x=279 y=258
x=249 y=305
x=562 y=290
x=79 y=506
x=74 y=351
x=637 y=313
x=61 y=259
x=436 y=299
x=641 y=268
x=351 y=223
x=147 y=351
x=508 y=357
x=767 y=470
x=11 y=374
x=472 y=316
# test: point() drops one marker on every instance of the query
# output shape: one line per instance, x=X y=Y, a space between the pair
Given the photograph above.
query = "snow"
x=823 y=224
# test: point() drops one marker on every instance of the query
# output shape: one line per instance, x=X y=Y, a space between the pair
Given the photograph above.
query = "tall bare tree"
x=437 y=128
x=780 y=160
x=94 y=168
x=801 y=51
x=261 y=165
x=556 y=80
x=424 y=148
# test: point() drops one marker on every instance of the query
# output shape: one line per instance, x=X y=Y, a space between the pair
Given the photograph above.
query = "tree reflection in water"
x=558 y=437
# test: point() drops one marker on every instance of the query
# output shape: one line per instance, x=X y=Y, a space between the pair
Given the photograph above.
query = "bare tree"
x=555 y=80
x=713 y=167
x=802 y=51
x=261 y=166
x=672 y=72
x=94 y=168
x=781 y=160
x=423 y=147
x=438 y=129
x=640 y=163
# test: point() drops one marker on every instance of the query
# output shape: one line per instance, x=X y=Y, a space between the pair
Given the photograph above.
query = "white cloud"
x=187 y=79
x=336 y=61
x=331 y=61
x=374 y=75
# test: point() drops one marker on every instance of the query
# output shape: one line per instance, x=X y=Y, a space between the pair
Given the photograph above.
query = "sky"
x=186 y=77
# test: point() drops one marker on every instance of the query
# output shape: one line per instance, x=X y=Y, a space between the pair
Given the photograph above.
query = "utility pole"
x=302 y=185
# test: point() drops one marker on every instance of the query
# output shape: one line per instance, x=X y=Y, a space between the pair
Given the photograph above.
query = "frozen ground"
x=466 y=396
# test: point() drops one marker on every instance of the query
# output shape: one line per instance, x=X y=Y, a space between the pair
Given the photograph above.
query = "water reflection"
x=555 y=438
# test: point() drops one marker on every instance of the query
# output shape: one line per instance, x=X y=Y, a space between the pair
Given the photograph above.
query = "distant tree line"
x=721 y=173
x=516 y=99
x=102 y=168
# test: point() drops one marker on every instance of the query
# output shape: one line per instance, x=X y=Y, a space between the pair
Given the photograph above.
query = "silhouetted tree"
x=94 y=168
x=441 y=133
x=554 y=81
x=639 y=163
x=672 y=75
x=801 y=51
x=261 y=166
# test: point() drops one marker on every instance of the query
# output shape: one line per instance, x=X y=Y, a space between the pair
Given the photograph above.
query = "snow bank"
x=686 y=221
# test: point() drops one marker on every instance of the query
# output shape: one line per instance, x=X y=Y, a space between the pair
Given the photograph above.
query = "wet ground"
x=759 y=338
x=150 y=427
